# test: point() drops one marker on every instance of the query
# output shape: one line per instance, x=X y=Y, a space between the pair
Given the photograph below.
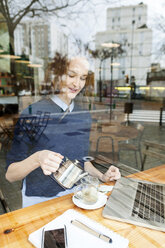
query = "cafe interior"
x=115 y=118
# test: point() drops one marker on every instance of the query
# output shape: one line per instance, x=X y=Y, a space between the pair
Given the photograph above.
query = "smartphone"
x=55 y=238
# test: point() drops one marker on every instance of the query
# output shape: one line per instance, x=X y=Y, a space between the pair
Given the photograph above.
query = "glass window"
x=49 y=101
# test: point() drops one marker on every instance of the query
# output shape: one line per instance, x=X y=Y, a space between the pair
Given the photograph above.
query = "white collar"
x=62 y=104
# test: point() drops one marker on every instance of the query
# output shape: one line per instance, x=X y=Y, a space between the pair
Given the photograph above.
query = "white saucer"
x=105 y=188
x=102 y=199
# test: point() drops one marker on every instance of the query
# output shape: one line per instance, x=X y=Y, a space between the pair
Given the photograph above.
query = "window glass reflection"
x=123 y=87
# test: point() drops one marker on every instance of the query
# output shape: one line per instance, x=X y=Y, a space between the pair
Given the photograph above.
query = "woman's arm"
x=48 y=161
x=18 y=170
x=111 y=174
x=88 y=167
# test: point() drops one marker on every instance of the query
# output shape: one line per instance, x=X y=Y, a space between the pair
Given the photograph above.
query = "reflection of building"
x=4 y=45
x=156 y=81
x=156 y=76
x=6 y=87
x=127 y=25
x=40 y=39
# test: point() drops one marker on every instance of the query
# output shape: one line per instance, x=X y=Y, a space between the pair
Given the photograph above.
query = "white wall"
x=46 y=38
x=123 y=32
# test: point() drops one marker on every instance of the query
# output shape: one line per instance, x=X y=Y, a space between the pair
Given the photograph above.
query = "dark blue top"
x=70 y=137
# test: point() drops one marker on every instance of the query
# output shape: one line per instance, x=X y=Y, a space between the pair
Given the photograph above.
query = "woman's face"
x=75 y=79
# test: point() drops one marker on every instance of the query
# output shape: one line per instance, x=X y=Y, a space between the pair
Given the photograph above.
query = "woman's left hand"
x=111 y=174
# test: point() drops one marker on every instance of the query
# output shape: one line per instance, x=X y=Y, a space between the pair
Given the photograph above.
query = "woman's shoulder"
x=78 y=107
x=43 y=105
x=82 y=111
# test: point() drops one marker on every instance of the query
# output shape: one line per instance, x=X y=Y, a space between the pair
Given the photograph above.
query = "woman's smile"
x=73 y=90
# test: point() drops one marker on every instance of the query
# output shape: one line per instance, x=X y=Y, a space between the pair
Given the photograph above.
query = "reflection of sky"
x=93 y=20
x=90 y=18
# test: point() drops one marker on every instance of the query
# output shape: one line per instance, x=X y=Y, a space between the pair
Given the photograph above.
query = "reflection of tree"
x=14 y=11
x=103 y=54
x=159 y=26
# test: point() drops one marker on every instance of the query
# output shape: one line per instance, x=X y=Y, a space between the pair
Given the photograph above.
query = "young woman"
x=66 y=135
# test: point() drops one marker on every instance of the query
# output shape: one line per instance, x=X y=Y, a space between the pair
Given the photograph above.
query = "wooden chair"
x=133 y=145
x=6 y=136
x=153 y=149
x=42 y=124
x=33 y=126
x=105 y=137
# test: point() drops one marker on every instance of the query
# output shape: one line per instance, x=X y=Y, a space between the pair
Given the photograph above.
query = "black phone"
x=55 y=238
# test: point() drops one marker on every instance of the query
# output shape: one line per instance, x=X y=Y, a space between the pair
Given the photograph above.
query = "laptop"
x=137 y=202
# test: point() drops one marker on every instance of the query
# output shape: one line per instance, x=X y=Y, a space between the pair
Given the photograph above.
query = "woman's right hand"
x=49 y=161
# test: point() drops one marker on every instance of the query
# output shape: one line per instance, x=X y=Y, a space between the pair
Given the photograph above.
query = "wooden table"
x=27 y=220
x=117 y=132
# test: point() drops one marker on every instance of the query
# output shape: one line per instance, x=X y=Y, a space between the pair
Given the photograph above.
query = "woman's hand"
x=49 y=161
x=111 y=174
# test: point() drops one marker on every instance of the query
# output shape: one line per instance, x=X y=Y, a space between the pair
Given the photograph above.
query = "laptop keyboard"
x=149 y=202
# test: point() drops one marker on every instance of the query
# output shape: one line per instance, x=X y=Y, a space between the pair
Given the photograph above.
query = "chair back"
x=6 y=136
x=137 y=140
x=33 y=126
x=140 y=129
x=111 y=144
